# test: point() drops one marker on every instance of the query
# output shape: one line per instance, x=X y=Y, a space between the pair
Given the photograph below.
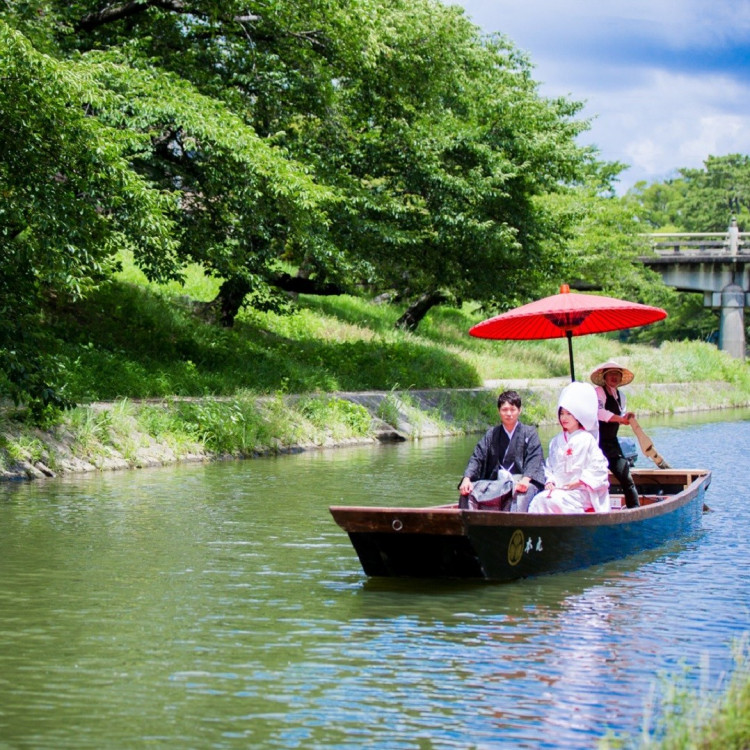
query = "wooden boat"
x=446 y=542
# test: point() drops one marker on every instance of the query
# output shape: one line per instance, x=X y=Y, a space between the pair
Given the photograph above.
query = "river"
x=219 y=606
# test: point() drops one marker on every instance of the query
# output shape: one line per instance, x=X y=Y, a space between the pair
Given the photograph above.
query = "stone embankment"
x=543 y=390
x=414 y=417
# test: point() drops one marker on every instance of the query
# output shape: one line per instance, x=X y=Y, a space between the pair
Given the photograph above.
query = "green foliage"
x=25 y=448
x=694 y=361
x=687 y=319
x=64 y=185
x=165 y=425
x=125 y=340
x=389 y=410
x=384 y=145
x=716 y=193
x=235 y=427
x=336 y=417
x=90 y=429
x=359 y=362
x=698 y=200
x=604 y=245
x=457 y=146
x=124 y=436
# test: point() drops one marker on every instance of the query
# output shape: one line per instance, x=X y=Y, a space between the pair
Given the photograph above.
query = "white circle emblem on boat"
x=397 y=525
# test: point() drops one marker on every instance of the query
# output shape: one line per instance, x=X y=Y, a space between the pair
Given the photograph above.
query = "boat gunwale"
x=361 y=518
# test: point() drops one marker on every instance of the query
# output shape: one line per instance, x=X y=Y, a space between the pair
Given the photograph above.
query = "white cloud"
x=666 y=83
x=671 y=121
x=717 y=135
x=674 y=22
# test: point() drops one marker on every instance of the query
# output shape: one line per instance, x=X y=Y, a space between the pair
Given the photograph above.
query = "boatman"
x=511 y=445
x=613 y=412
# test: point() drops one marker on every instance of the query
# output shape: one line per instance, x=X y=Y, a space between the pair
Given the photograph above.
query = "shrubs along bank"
x=134 y=434
x=128 y=434
x=157 y=380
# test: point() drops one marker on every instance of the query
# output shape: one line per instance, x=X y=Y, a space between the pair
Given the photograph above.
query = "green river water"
x=219 y=606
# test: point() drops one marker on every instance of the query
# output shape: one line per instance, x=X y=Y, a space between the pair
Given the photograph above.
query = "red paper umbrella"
x=567 y=314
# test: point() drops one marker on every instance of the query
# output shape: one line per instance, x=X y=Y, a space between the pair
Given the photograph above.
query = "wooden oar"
x=647 y=445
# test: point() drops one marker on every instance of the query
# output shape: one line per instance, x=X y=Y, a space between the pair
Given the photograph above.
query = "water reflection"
x=220 y=606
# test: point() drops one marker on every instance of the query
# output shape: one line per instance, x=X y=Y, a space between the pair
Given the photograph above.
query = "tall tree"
x=381 y=143
x=443 y=148
x=716 y=193
x=435 y=141
x=69 y=200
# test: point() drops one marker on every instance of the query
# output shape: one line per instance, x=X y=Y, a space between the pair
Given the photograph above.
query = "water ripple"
x=191 y=607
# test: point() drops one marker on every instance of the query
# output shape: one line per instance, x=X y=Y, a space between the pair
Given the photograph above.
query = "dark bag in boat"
x=489 y=494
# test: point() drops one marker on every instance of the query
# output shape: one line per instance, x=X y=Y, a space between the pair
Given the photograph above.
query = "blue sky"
x=666 y=82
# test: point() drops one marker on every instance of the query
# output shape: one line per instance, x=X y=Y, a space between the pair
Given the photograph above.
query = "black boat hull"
x=445 y=542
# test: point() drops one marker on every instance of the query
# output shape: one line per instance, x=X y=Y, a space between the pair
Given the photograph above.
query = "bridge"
x=714 y=263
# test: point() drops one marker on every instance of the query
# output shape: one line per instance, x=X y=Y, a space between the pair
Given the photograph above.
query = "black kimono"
x=523 y=457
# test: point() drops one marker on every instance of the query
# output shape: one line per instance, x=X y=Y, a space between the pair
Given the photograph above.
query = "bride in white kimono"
x=576 y=470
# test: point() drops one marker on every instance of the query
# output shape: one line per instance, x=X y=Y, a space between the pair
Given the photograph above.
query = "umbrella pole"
x=569 y=334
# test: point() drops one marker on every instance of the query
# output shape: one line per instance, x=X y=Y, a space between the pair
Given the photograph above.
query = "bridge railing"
x=730 y=243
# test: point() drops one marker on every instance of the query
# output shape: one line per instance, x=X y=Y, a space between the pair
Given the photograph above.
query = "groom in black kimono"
x=511 y=445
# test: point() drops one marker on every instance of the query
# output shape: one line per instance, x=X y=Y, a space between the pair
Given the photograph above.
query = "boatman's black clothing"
x=611 y=448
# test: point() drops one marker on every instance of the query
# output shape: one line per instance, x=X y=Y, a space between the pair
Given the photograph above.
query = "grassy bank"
x=158 y=381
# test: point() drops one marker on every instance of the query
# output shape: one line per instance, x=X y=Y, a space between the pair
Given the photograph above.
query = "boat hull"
x=446 y=542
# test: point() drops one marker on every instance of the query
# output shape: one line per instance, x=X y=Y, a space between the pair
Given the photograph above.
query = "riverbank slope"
x=134 y=434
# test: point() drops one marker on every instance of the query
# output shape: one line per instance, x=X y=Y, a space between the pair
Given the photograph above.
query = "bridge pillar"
x=732 y=321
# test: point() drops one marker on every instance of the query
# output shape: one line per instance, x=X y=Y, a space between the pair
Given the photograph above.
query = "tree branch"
x=300 y=285
x=113 y=13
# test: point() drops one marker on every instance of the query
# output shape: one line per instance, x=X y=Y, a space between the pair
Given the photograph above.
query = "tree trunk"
x=233 y=291
x=230 y=297
x=418 y=309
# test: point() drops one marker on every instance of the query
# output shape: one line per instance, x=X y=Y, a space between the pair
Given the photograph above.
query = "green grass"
x=683 y=717
x=132 y=339
x=226 y=391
